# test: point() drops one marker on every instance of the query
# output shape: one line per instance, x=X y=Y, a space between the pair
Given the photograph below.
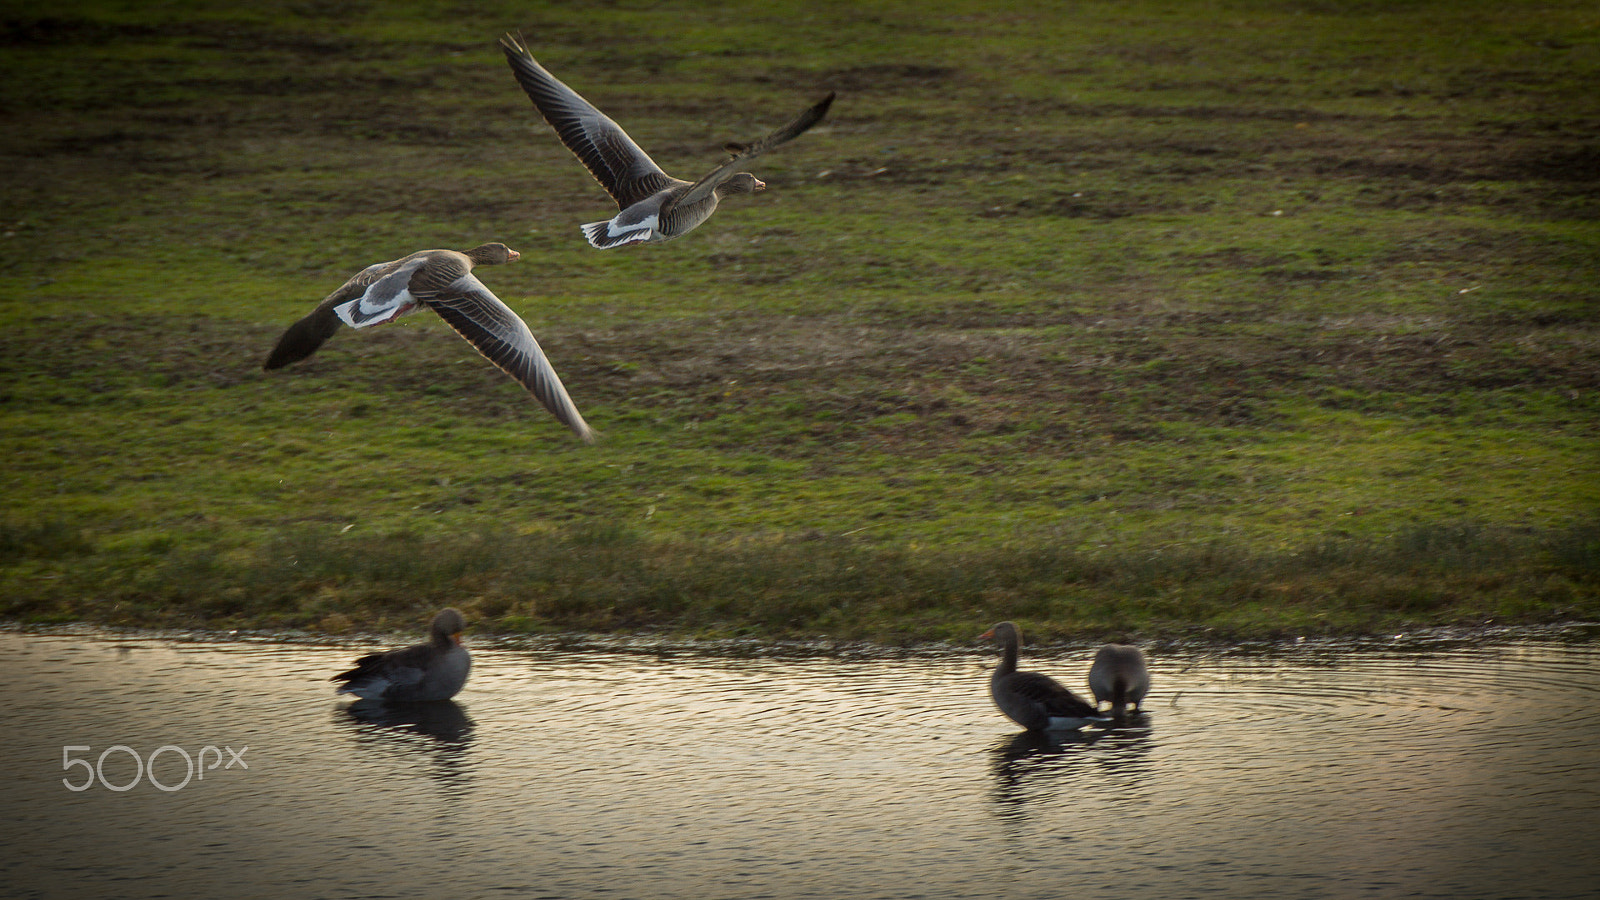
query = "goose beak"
x=760 y=185
x=987 y=635
x=514 y=256
x=457 y=636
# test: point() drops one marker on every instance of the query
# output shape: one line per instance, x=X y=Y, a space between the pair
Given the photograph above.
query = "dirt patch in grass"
x=956 y=370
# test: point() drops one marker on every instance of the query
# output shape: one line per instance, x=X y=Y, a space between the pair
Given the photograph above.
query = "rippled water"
x=1423 y=771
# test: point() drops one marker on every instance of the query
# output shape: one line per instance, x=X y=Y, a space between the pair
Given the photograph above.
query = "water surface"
x=1423 y=770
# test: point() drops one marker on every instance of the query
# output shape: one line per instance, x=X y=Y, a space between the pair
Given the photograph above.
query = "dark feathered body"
x=1033 y=700
x=436 y=670
x=1119 y=676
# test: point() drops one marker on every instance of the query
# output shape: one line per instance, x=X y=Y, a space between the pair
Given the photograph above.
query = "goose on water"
x=1119 y=677
x=654 y=205
x=1033 y=700
x=432 y=671
x=441 y=280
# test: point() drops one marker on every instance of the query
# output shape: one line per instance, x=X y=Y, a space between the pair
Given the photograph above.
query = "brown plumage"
x=654 y=205
x=441 y=280
x=1032 y=700
x=1119 y=676
x=436 y=670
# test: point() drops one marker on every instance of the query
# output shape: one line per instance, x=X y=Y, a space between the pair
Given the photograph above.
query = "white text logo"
x=196 y=767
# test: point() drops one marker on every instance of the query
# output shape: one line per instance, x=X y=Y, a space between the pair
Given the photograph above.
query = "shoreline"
x=1421 y=639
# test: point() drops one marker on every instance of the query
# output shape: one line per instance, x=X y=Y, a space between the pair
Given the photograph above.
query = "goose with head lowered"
x=436 y=670
x=1119 y=676
x=654 y=205
x=1035 y=701
x=441 y=280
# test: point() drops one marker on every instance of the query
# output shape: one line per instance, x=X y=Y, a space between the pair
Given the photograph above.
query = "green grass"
x=1135 y=318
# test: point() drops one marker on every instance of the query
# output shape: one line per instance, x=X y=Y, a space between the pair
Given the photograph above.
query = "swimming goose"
x=443 y=281
x=432 y=671
x=1034 y=701
x=1119 y=676
x=655 y=206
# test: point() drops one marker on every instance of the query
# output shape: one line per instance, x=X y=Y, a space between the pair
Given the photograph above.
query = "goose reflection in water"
x=443 y=720
x=437 y=733
x=1032 y=767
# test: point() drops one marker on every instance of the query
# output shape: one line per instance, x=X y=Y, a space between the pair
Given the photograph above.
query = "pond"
x=148 y=765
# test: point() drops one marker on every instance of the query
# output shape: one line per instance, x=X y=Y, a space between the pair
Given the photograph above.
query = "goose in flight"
x=443 y=281
x=654 y=205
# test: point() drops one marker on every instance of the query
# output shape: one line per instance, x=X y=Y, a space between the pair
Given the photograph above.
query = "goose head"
x=492 y=254
x=449 y=623
x=742 y=183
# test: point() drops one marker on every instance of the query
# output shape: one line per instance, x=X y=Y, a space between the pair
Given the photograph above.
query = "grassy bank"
x=1119 y=318
x=615 y=580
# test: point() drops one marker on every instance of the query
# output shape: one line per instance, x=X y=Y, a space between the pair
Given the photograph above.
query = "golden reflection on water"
x=1470 y=771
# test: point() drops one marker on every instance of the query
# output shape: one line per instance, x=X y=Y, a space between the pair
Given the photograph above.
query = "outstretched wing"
x=626 y=172
x=504 y=339
x=744 y=153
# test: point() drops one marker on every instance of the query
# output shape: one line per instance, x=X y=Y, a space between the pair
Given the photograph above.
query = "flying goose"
x=1034 y=701
x=443 y=281
x=432 y=671
x=655 y=206
x=1119 y=676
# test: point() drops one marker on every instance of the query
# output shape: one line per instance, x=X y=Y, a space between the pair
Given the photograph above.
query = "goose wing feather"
x=709 y=182
x=620 y=166
x=503 y=338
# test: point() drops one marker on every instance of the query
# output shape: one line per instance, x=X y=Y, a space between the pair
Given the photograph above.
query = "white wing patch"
x=648 y=223
x=363 y=312
x=384 y=300
x=611 y=234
